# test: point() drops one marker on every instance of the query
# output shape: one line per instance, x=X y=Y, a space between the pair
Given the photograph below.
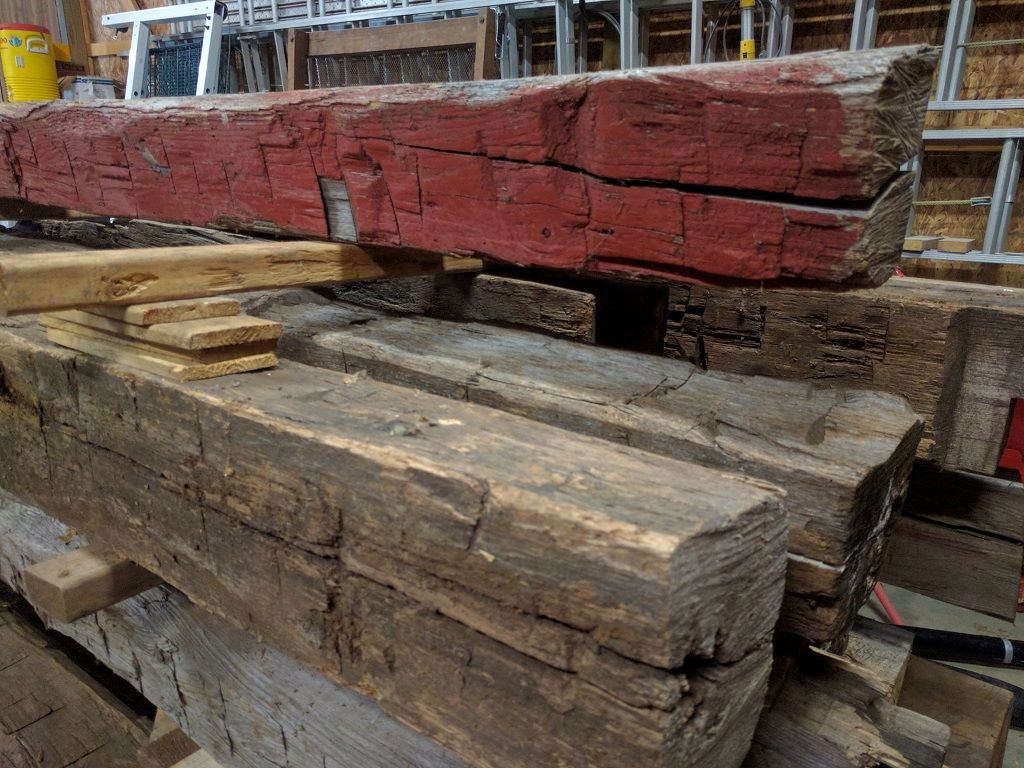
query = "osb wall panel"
x=955 y=176
x=41 y=12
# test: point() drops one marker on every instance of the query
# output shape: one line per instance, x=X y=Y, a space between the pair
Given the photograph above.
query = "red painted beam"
x=776 y=171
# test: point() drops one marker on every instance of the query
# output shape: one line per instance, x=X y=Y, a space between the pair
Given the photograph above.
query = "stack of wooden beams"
x=532 y=553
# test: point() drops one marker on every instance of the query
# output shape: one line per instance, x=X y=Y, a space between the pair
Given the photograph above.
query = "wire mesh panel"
x=174 y=68
x=431 y=65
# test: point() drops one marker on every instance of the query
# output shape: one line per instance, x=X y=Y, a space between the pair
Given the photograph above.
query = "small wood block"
x=155 y=362
x=978 y=714
x=921 y=243
x=168 y=744
x=187 y=335
x=956 y=244
x=169 y=311
x=883 y=650
x=84 y=581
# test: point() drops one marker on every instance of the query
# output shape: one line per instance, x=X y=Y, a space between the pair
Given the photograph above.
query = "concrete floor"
x=925 y=612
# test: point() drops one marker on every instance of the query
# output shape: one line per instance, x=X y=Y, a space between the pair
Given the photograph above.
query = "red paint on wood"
x=556 y=172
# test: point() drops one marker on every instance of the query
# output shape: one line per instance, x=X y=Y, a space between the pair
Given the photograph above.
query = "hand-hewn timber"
x=52 y=715
x=522 y=594
x=833 y=712
x=488 y=298
x=40 y=282
x=785 y=170
x=245 y=702
x=842 y=457
x=955 y=351
x=84 y=581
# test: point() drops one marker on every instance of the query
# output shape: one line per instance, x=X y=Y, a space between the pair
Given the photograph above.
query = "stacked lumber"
x=842 y=457
x=520 y=594
x=784 y=170
x=841 y=711
x=955 y=351
x=184 y=339
x=52 y=714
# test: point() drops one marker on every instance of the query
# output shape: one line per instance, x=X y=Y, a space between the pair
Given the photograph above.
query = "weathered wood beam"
x=84 y=581
x=831 y=711
x=977 y=713
x=487 y=298
x=517 y=592
x=39 y=282
x=955 y=351
x=843 y=457
x=52 y=715
x=785 y=170
x=245 y=702
x=960 y=540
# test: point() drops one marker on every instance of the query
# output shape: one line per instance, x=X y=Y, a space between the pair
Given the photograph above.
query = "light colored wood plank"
x=978 y=714
x=298 y=54
x=185 y=335
x=170 y=311
x=110 y=47
x=109 y=349
x=80 y=583
x=49 y=281
x=919 y=243
x=425 y=34
x=956 y=244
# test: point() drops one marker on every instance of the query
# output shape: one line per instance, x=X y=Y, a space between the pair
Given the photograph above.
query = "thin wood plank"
x=170 y=311
x=80 y=583
x=978 y=714
x=154 y=361
x=184 y=335
x=446 y=33
x=50 y=281
x=298 y=54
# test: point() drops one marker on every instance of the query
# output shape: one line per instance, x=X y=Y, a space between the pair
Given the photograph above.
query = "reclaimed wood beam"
x=519 y=593
x=217 y=680
x=38 y=282
x=843 y=457
x=85 y=581
x=954 y=350
x=784 y=170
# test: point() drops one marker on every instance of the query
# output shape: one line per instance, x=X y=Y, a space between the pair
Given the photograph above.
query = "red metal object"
x=1013 y=450
x=887 y=606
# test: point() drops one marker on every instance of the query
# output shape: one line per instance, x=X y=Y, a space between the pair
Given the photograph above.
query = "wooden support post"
x=85 y=581
x=48 y=281
x=298 y=55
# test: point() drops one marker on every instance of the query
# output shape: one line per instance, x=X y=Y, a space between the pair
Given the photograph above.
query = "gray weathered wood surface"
x=842 y=457
x=517 y=592
x=956 y=351
x=245 y=702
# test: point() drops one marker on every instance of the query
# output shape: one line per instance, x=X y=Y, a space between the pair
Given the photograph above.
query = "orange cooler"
x=28 y=64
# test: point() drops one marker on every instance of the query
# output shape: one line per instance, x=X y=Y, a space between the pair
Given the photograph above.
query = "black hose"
x=942 y=645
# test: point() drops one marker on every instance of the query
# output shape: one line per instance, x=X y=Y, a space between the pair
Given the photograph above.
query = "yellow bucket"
x=26 y=57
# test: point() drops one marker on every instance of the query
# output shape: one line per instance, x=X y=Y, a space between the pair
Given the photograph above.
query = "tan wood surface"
x=51 y=281
x=85 y=581
x=956 y=244
x=170 y=311
x=186 y=335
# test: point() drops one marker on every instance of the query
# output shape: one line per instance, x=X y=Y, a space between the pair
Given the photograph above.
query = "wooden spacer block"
x=956 y=244
x=84 y=581
x=921 y=243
